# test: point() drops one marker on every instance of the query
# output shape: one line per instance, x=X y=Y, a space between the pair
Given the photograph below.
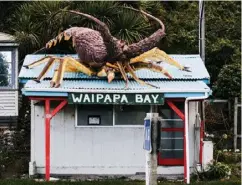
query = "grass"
x=111 y=182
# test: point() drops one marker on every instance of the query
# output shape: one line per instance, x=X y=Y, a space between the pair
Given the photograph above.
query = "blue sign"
x=147 y=135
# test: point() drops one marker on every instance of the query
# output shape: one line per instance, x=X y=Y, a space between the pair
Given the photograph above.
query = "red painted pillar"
x=185 y=152
x=47 y=139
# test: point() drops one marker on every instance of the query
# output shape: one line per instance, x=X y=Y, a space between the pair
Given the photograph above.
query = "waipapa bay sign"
x=116 y=98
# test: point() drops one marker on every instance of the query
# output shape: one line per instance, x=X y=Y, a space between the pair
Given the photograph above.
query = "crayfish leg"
x=156 y=55
x=122 y=70
x=132 y=73
x=45 y=70
x=38 y=62
x=60 y=72
x=152 y=67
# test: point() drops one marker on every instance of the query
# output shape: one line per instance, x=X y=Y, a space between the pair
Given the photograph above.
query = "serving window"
x=130 y=114
x=111 y=115
x=94 y=115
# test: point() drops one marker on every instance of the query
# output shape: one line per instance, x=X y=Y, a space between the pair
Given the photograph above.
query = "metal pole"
x=229 y=107
x=202 y=30
x=235 y=122
x=151 y=157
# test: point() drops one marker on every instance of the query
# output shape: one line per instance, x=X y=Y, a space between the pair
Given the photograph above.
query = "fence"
x=224 y=116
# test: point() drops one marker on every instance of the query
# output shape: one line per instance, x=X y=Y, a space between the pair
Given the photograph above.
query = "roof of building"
x=4 y=37
x=118 y=85
x=189 y=82
x=194 y=62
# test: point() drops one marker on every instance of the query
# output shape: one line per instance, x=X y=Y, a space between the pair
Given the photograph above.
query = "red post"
x=47 y=140
x=185 y=154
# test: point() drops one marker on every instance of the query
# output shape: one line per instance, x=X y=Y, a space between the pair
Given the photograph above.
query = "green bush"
x=228 y=157
x=218 y=170
x=6 y=148
x=214 y=171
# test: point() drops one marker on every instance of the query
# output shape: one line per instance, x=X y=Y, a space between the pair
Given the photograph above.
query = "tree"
x=35 y=24
x=223 y=35
x=3 y=71
x=223 y=38
x=228 y=84
x=6 y=9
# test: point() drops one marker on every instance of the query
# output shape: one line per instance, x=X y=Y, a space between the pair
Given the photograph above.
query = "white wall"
x=90 y=150
x=8 y=103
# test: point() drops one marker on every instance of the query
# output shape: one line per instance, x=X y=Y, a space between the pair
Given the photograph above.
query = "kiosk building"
x=88 y=126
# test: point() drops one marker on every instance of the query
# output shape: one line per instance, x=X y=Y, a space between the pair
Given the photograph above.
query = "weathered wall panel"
x=194 y=135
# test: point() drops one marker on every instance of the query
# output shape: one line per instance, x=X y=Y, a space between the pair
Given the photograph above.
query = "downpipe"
x=187 y=154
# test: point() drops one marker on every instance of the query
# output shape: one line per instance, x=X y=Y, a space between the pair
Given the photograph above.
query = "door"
x=172 y=137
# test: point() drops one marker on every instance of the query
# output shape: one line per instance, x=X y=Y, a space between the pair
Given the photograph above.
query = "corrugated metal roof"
x=195 y=63
x=118 y=86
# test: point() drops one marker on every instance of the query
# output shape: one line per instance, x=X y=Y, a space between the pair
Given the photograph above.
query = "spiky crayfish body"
x=89 y=45
x=103 y=55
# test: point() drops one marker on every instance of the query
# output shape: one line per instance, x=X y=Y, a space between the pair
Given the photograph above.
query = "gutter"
x=186 y=135
x=202 y=88
x=116 y=90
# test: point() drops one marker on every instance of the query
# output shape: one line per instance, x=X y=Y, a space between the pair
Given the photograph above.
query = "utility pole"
x=202 y=29
x=202 y=55
x=151 y=156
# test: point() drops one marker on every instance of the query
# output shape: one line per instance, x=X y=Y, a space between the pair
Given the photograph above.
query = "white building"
x=93 y=134
x=8 y=80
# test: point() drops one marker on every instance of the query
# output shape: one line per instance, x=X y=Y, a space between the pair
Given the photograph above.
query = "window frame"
x=14 y=72
x=103 y=126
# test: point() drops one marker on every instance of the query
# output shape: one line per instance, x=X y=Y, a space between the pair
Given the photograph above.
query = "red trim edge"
x=170 y=162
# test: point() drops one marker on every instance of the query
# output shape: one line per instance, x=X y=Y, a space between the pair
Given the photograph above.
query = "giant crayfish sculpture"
x=103 y=55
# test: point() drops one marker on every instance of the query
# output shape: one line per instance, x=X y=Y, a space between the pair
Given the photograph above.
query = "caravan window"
x=7 y=68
